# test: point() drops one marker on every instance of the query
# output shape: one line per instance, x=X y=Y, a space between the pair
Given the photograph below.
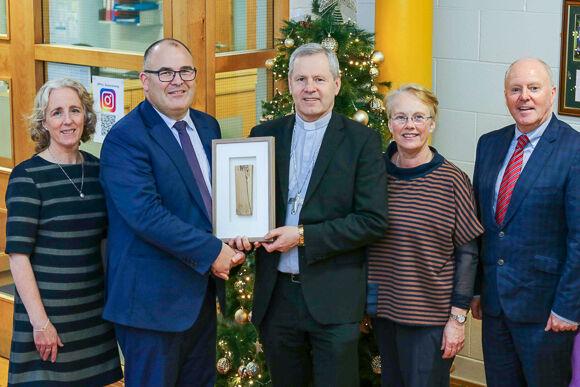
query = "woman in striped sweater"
x=56 y=221
x=422 y=271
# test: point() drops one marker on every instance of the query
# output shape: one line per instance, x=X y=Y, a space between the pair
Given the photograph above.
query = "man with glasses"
x=164 y=265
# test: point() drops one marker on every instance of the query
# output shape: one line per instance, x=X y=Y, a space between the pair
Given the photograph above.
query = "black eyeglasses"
x=169 y=75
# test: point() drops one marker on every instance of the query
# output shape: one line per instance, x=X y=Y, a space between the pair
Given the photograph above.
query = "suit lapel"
x=283 y=149
x=205 y=134
x=163 y=136
x=495 y=158
x=533 y=167
x=332 y=138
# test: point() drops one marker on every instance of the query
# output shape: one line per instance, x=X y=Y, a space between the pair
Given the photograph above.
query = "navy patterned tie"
x=181 y=127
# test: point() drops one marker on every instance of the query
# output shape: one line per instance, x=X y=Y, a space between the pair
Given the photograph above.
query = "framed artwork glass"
x=569 y=101
x=243 y=187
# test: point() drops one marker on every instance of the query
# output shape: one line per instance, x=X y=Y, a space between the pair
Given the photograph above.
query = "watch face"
x=461 y=319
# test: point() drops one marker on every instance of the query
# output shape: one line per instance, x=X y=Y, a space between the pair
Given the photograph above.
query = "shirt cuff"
x=564 y=319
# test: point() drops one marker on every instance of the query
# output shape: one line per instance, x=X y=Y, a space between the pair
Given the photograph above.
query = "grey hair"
x=541 y=62
x=313 y=49
x=38 y=133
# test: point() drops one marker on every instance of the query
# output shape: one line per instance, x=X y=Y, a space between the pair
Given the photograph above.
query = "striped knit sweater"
x=412 y=267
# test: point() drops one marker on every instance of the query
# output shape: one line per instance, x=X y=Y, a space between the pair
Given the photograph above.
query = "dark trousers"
x=299 y=350
x=187 y=358
x=521 y=354
x=411 y=356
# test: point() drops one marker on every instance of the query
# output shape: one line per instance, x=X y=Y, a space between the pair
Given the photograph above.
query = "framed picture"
x=243 y=187
x=569 y=101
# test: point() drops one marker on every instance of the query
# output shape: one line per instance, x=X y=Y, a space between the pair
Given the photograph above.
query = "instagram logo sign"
x=108 y=100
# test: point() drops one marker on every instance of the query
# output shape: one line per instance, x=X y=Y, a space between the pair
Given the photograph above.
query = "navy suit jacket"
x=531 y=264
x=160 y=242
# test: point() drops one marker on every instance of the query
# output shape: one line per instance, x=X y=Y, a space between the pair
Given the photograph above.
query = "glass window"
x=244 y=25
x=127 y=97
x=5 y=121
x=3 y=18
x=239 y=96
x=116 y=24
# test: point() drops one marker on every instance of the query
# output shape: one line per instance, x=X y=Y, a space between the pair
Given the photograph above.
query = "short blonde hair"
x=422 y=93
x=40 y=135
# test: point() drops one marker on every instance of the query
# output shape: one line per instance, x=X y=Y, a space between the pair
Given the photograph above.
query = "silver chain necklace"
x=80 y=191
x=298 y=200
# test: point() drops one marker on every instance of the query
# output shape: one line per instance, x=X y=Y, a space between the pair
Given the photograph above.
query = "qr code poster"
x=108 y=94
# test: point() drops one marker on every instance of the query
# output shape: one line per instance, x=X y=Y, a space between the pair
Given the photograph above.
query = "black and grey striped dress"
x=61 y=233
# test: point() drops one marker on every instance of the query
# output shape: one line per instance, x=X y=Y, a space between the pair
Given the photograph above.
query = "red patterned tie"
x=510 y=176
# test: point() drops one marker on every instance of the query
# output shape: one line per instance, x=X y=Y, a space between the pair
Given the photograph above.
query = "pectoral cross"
x=296 y=202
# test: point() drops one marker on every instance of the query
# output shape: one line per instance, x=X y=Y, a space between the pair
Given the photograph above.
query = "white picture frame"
x=257 y=152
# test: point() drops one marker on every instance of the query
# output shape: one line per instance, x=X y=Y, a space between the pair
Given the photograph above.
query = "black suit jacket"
x=344 y=210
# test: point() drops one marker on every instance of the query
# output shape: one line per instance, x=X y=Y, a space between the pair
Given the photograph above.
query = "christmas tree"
x=240 y=359
x=359 y=97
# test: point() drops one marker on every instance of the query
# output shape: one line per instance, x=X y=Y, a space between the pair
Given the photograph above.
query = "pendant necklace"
x=298 y=200
x=80 y=191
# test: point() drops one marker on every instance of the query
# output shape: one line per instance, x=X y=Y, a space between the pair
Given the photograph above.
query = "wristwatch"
x=300 y=235
x=458 y=317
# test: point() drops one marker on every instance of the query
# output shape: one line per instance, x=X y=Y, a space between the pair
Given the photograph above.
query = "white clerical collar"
x=314 y=125
x=170 y=121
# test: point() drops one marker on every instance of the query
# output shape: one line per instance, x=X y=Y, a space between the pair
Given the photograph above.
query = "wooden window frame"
x=6 y=36
x=8 y=162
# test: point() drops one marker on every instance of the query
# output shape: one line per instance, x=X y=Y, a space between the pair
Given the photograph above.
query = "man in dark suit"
x=330 y=203
x=155 y=172
x=527 y=184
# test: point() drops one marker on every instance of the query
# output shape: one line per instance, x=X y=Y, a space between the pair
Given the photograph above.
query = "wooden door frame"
x=239 y=60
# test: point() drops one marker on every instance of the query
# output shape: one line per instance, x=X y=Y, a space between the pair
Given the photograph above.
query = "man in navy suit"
x=527 y=184
x=164 y=265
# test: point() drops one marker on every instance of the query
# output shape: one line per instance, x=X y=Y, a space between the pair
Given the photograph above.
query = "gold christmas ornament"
x=361 y=116
x=376 y=364
x=241 y=316
x=289 y=42
x=223 y=365
x=252 y=369
x=239 y=285
x=330 y=43
x=376 y=104
x=270 y=63
x=374 y=72
x=378 y=57
x=374 y=89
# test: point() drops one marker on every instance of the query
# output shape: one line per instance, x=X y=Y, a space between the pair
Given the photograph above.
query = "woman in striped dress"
x=56 y=221
x=422 y=271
